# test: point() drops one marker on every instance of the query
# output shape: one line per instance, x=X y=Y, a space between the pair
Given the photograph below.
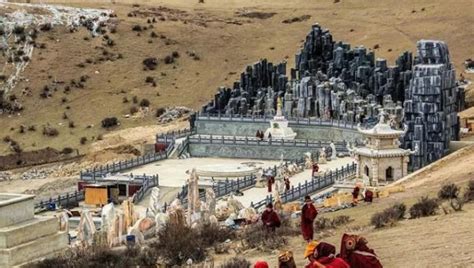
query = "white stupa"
x=279 y=126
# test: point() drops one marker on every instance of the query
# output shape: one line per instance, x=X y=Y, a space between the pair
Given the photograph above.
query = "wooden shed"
x=100 y=193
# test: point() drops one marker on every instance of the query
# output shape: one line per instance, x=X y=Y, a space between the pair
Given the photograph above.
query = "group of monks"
x=271 y=181
x=354 y=252
x=368 y=196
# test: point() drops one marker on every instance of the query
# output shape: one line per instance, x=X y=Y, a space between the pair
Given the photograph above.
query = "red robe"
x=360 y=256
x=270 y=182
x=270 y=220
x=315 y=168
x=369 y=195
x=308 y=214
x=287 y=184
x=330 y=263
x=355 y=193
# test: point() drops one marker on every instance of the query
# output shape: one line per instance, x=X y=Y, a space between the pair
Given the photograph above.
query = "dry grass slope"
x=223 y=40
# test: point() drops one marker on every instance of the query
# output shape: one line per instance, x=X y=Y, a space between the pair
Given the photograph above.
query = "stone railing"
x=148 y=182
x=72 y=199
x=175 y=134
x=245 y=140
x=310 y=186
x=221 y=188
x=98 y=172
x=62 y=200
x=263 y=119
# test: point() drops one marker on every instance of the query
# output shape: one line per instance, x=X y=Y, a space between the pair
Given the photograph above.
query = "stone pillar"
x=374 y=178
x=405 y=161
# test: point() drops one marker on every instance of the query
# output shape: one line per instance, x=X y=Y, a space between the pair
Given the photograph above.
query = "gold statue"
x=279 y=106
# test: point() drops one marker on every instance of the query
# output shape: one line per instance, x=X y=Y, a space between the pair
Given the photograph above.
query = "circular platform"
x=228 y=170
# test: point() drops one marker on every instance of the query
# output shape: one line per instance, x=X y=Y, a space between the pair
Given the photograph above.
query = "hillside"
x=436 y=241
x=215 y=41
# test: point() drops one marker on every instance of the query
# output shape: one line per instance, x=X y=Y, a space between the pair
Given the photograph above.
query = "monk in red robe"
x=308 y=214
x=355 y=195
x=357 y=254
x=369 y=195
x=323 y=255
x=315 y=169
x=270 y=182
x=270 y=218
x=287 y=184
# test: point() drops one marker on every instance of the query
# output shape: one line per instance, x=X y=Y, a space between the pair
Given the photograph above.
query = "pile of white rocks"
x=174 y=113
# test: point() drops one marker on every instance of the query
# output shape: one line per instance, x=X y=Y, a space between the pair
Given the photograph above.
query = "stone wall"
x=248 y=151
x=318 y=133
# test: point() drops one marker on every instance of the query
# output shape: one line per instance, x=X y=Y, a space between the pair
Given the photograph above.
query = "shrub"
x=32 y=128
x=236 y=262
x=46 y=27
x=109 y=122
x=388 y=216
x=175 y=54
x=137 y=28
x=124 y=100
x=67 y=150
x=133 y=110
x=135 y=99
x=101 y=257
x=448 y=191
x=210 y=234
x=83 y=140
x=322 y=223
x=150 y=63
x=169 y=59
x=144 y=103
x=255 y=236
x=177 y=243
x=469 y=194
x=50 y=131
x=7 y=139
x=15 y=147
x=149 y=79
x=424 y=207
x=71 y=124
x=160 y=111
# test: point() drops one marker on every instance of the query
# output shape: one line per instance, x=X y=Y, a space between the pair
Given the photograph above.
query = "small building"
x=98 y=194
x=113 y=188
x=381 y=160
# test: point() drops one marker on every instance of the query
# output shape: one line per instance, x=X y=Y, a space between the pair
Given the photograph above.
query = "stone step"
x=26 y=231
x=42 y=247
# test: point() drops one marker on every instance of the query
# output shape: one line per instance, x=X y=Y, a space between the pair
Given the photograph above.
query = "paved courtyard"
x=172 y=172
x=257 y=194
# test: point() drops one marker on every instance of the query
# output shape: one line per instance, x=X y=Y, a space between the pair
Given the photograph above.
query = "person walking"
x=287 y=184
x=270 y=182
x=308 y=214
x=315 y=169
